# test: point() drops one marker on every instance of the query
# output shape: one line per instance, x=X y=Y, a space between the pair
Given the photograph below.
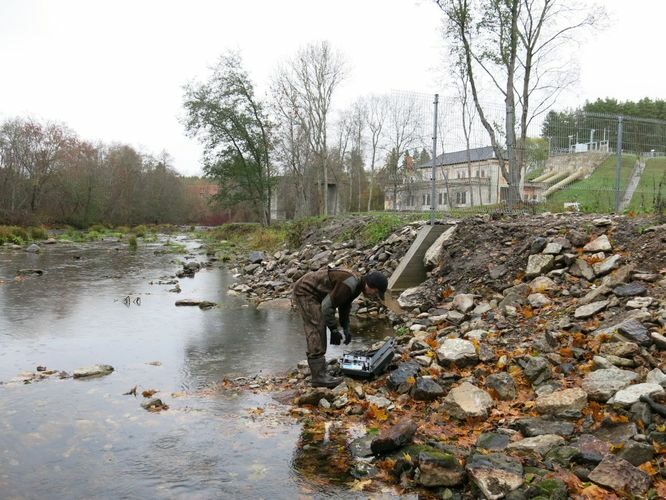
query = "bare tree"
x=312 y=78
x=467 y=116
x=377 y=111
x=510 y=43
x=401 y=132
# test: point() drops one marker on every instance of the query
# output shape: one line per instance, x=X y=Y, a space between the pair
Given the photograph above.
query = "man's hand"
x=336 y=337
x=347 y=333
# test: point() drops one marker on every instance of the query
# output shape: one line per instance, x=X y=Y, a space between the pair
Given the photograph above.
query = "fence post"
x=434 y=157
x=618 y=165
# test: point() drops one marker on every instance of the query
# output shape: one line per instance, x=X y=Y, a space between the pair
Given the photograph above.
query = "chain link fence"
x=569 y=160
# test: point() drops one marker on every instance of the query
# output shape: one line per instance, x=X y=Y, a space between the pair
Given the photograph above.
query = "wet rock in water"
x=566 y=403
x=539 y=264
x=632 y=394
x=590 y=310
x=494 y=441
x=275 y=305
x=636 y=453
x=503 y=385
x=632 y=289
x=202 y=304
x=312 y=397
x=30 y=272
x=402 y=374
x=34 y=248
x=618 y=474
x=154 y=404
x=426 y=389
x=495 y=474
x=93 y=371
x=600 y=385
x=600 y=244
x=539 y=426
x=439 y=469
x=538 y=444
x=394 y=437
x=537 y=370
x=467 y=400
x=457 y=352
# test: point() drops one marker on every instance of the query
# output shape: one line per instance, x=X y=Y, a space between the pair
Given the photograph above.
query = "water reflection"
x=85 y=438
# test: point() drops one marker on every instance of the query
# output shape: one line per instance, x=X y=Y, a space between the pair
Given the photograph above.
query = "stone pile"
x=547 y=362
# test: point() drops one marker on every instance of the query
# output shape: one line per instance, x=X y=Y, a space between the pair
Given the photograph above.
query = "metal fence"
x=570 y=160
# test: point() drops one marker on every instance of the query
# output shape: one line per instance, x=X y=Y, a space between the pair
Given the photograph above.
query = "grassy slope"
x=597 y=192
x=649 y=186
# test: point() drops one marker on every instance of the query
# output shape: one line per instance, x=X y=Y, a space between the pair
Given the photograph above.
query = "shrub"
x=38 y=233
x=132 y=242
x=140 y=230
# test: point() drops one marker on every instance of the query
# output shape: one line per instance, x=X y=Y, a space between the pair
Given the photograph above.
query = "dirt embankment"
x=530 y=364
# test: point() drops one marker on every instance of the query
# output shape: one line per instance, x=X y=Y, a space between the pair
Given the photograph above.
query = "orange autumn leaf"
x=432 y=343
x=149 y=393
x=526 y=312
x=594 y=492
x=566 y=352
x=660 y=487
x=649 y=469
x=375 y=413
x=447 y=292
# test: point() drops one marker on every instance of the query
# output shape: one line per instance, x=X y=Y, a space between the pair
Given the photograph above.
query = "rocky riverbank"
x=530 y=364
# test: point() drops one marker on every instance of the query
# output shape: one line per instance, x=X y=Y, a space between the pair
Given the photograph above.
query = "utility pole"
x=434 y=157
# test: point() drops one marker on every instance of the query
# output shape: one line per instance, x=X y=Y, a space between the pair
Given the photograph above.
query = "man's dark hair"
x=377 y=280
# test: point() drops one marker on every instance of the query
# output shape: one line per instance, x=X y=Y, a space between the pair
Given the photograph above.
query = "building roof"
x=476 y=154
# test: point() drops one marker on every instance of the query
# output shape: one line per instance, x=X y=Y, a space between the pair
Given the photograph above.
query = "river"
x=100 y=302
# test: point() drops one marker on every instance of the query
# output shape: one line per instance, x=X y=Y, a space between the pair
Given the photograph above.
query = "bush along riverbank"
x=529 y=364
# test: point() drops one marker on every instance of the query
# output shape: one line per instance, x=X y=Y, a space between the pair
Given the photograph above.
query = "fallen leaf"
x=359 y=485
x=131 y=392
x=149 y=393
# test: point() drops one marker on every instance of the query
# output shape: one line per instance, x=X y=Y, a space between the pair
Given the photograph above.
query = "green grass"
x=652 y=184
x=596 y=193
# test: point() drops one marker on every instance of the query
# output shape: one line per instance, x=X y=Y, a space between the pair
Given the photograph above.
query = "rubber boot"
x=319 y=377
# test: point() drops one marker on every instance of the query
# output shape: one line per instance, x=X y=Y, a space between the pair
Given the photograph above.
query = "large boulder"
x=457 y=352
x=618 y=474
x=495 y=474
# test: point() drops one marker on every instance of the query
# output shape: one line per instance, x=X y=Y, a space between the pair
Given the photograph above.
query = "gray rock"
x=426 y=389
x=656 y=376
x=538 y=444
x=463 y=302
x=552 y=249
x=434 y=253
x=630 y=289
x=566 y=403
x=620 y=349
x=582 y=269
x=635 y=331
x=503 y=385
x=539 y=264
x=403 y=372
x=455 y=317
x=631 y=394
x=590 y=310
x=659 y=340
x=457 y=352
x=603 y=384
x=538 y=244
x=538 y=426
x=639 y=302
x=606 y=265
x=467 y=400
x=93 y=371
x=495 y=474
x=577 y=238
x=494 y=441
x=538 y=300
x=537 y=370
x=561 y=455
x=542 y=284
x=618 y=474
x=255 y=257
x=415 y=297
x=594 y=295
x=439 y=469
x=394 y=437
x=636 y=453
x=592 y=449
x=34 y=248
x=616 y=433
x=600 y=244
x=360 y=448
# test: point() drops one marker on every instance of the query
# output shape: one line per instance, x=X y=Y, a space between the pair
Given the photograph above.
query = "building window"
x=443 y=199
x=461 y=198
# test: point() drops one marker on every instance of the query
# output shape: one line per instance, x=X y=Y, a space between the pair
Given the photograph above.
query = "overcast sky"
x=113 y=70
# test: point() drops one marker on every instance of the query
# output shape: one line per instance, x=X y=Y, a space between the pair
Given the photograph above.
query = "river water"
x=83 y=438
